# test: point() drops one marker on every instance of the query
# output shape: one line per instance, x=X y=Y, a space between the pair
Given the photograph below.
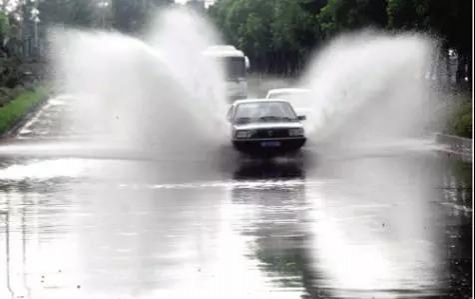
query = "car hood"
x=268 y=125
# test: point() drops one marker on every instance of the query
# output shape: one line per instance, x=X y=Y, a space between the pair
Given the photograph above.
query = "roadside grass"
x=14 y=110
x=459 y=120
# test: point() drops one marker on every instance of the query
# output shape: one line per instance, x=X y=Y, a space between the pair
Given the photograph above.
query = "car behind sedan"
x=299 y=98
x=263 y=126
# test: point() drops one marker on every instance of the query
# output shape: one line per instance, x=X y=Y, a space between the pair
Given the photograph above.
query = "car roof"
x=223 y=51
x=289 y=90
x=245 y=101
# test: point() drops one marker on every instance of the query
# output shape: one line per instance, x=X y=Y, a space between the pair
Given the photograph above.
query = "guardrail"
x=455 y=144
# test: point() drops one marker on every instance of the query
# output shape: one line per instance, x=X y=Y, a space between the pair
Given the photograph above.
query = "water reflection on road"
x=396 y=225
x=378 y=236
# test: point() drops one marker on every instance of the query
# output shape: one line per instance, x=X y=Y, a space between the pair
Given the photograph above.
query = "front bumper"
x=279 y=145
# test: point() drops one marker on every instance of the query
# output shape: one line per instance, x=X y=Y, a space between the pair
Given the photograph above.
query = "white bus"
x=235 y=65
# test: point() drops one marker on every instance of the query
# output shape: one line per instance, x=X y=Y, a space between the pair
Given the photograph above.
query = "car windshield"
x=264 y=112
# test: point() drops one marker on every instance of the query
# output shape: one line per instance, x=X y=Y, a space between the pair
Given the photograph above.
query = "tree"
x=293 y=33
x=450 y=21
x=4 y=27
x=275 y=34
x=245 y=24
x=403 y=14
x=343 y=15
x=130 y=15
x=74 y=13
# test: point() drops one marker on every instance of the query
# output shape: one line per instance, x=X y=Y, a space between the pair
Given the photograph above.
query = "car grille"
x=271 y=133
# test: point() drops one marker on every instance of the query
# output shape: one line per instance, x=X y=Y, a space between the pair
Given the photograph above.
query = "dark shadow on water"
x=281 y=234
x=268 y=170
x=281 y=244
x=284 y=167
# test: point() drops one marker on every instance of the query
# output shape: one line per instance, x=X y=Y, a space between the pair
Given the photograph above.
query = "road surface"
x=376 y=222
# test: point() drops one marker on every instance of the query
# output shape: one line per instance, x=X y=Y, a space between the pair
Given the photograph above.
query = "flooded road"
x=351 y=224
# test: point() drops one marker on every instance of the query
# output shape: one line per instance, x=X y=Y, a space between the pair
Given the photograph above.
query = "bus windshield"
x=235 y=68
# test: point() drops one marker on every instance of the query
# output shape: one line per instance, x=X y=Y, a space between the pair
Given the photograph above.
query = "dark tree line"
x=123 y=15
x=448 y=20
x=278 y=35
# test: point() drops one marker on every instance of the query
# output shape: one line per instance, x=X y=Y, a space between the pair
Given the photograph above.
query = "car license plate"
x=270 y=143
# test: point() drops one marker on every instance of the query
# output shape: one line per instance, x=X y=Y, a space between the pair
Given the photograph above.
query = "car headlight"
x=243 y=134
x=296 y=132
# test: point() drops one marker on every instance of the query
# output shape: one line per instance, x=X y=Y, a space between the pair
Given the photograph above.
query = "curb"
x=455 y=145
x=22 y=120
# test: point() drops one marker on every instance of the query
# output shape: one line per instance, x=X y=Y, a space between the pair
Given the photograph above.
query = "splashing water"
x=157 y=94
x=370 y=86
x=181 y=37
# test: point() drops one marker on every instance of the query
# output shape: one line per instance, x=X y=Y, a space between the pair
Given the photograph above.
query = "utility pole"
x=104 y=7
x=25 y=32
x=29 y=28
x=35 y=17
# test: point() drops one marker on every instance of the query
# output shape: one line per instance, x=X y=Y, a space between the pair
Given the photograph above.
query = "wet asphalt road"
x=371 y=224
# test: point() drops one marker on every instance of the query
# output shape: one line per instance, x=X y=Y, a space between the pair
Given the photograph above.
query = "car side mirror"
x=301 y=117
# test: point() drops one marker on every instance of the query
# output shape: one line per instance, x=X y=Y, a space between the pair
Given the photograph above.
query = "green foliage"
x=285 y=31
x=405 y=14
x=342 y=15
x=4 y=34
x=123 y=15
x=130 y=15
x=67 y=12
x=460 y=120
x=4 y=25
x=126 y=14
x=268 y=31
x=450 y=21
x=17 y=108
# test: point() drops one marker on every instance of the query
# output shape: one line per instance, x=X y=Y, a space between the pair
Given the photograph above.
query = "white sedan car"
x=300 y=98
x=262 y=126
